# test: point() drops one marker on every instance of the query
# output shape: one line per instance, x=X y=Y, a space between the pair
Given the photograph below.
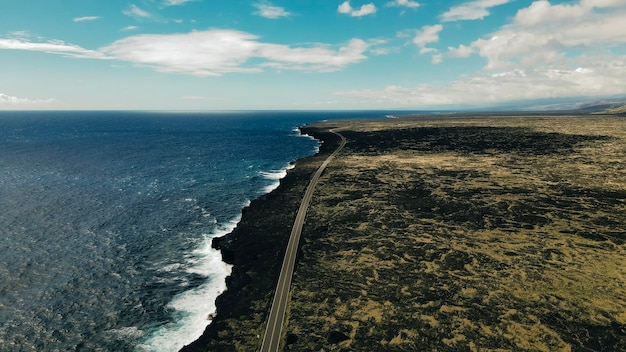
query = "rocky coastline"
x=255 y=249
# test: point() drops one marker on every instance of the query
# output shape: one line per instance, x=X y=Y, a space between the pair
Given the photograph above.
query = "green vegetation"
x=481 y=234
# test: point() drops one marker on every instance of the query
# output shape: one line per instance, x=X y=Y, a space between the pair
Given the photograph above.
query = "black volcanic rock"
x=255 y=248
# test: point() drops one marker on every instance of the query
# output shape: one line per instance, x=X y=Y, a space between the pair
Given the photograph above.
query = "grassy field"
x=472 y=234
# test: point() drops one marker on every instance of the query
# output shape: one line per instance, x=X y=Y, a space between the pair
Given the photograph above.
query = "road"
x=275 y=322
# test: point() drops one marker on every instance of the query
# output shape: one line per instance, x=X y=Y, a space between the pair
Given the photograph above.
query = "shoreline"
x=254 y=250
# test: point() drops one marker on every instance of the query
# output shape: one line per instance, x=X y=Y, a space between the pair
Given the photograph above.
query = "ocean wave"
x=194 y=308
x=300 y=134
x=275 y=176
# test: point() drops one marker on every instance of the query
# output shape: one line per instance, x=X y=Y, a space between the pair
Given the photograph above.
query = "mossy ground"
x=483 y=234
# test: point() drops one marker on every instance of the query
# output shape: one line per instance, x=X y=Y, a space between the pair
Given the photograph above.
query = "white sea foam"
x=300 y=134
x=127 y=332
x=195 y=307
x=275 y=176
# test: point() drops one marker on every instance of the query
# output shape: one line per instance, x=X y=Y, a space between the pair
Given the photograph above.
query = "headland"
x=443 y=233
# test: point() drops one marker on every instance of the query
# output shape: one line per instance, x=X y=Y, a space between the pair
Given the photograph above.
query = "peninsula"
x=442 y=233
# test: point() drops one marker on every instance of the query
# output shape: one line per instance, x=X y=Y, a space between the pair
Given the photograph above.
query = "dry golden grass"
x=512 y=238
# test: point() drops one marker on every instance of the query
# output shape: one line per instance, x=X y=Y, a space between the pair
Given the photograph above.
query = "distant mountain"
x=603 y=107
x=615 y=105
x=614 y=110
x=612 y=105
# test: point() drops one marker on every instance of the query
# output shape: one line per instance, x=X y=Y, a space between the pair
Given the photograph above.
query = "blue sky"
x=325 y=54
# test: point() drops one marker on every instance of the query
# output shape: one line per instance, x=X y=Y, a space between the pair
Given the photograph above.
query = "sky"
x=307 y=54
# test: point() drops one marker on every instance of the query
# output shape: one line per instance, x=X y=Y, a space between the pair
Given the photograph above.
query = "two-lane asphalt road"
x=275 y=322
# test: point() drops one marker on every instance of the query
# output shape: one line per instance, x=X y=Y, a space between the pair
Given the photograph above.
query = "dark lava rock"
x=336 y=337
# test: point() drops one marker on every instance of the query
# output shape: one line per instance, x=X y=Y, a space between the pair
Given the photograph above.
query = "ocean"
x=106 y=220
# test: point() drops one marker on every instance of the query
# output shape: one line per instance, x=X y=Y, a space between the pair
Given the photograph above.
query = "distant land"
x=616 y=109
x=459 y=232
x=610 y=105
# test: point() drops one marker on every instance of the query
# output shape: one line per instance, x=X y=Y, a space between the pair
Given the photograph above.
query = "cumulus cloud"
x=319 y=58
x=546 y=51
x=86 y=18
x=216 y=52
x=8 y=100
x=461 y=51
x=473 y=10
x=436 y=59
x=427 y=35
x=211 y=52
x=367 y=9
x=404 y=3
x=504 y=86
x=267 y=10
x=198 y=53
x=544 y=33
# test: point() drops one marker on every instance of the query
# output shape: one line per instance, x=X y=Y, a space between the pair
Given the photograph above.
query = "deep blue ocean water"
x=106 y=220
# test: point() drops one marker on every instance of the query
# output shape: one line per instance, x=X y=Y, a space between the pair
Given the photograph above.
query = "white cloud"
x=216 y=52
x=19 y=34
x=543 y=34
x=367 y=9
x=384 y=51
x=436 y=58
x=134 y=11
x=8 y=100
x=176 y=2
x=211 y=52
x=319 y=58
x=473 y=10
x=267 y=10
x=129 y=28
x=425 y=50
x=404 y=3
x=379 y=47
x=199 y=53
x=504 y=86
x=345 y=8
x=86 y=18
x=540 y=11
x=52 y=46
x=601 y=3
x=461 y=51
x=546 y=51
x=427 y=35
